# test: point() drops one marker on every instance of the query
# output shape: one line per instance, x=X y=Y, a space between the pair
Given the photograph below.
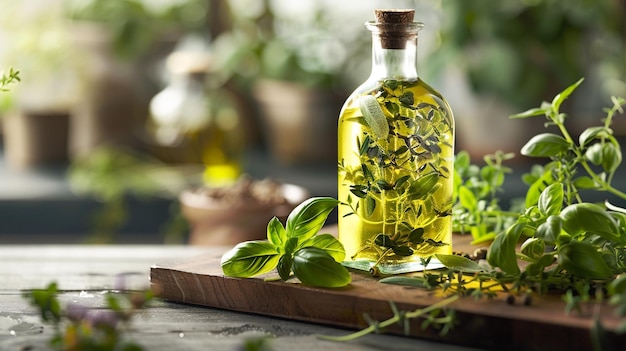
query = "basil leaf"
x=551 y=200
x=533 y=248
x=535 y=189
x=594 y=154
x=611 y=157
x=276 y=233
x=531 y=113
x=502 y=250
x=309 y=217
x=559 y=98
x=589 y=218
x=591 y=133
x=328 y=243
x=290 y=245
x=284 y=266
x=545 y=145
x=315 y=267
x=617 y=285
x=537 y=267
x=550 y=230
x=585 y=182
x=459 y=263
x=250 y=258
x=583 y=260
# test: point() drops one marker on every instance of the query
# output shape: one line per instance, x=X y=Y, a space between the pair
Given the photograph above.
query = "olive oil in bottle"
x=395 y=158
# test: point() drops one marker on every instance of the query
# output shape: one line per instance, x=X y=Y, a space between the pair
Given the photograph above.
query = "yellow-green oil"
x=401 y=186
x=220 y=147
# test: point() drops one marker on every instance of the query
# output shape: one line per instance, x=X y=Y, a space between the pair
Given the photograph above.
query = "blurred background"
x=124 y=105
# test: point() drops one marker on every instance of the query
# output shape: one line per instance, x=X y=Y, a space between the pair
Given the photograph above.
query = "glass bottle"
x=395 y=158
x=193 y=121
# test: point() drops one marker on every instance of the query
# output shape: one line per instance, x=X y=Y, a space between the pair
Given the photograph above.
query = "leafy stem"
x=6 y=79
x=79 y=327
x=402 y=318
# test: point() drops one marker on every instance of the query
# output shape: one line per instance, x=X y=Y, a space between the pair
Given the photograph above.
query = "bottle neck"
x=394 y=63
x=394 y=51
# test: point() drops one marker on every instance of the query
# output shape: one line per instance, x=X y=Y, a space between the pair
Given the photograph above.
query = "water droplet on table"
x=14 y=326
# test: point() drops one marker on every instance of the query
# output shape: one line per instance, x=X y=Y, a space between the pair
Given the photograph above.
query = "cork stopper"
x=394 y=16
x=394 y=27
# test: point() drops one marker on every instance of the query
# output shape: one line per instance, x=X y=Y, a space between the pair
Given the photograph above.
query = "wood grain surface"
x=486 y=323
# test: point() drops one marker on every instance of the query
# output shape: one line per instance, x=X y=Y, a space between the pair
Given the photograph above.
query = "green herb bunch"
x=586 y=240
x=297 y=247
x=567 y=244
x=477 y=209
x=80 y=328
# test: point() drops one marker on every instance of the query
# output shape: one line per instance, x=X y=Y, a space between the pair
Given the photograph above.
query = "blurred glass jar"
x=194 y=119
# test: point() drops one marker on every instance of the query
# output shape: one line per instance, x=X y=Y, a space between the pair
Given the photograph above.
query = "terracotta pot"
x=300 y=123
x=34 y=139
x=218 y=223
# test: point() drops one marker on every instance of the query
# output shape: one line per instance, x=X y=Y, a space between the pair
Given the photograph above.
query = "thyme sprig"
x=435 y=315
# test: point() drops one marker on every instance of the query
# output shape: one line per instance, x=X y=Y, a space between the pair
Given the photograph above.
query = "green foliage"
x=438 y=316
x=110 y=174
x=588 y=239
x=476 y=196
x=569 y=245
x=530 y=49
x=80 y=328
x=315 y=259
x=7 y=79
x=137 y=24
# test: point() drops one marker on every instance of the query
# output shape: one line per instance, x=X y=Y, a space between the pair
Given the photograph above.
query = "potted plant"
x=36 y=113
x=296 y=69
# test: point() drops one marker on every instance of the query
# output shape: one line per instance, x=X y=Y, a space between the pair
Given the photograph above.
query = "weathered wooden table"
x=85 y=273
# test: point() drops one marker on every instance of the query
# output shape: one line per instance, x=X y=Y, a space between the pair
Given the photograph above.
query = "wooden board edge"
x=473 y=329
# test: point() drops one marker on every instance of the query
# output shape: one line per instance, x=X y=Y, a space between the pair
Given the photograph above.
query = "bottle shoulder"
x=409 y=91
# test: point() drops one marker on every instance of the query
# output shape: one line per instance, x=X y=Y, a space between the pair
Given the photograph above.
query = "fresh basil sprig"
x=315 y=259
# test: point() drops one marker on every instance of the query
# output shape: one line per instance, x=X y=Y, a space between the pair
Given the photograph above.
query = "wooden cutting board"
x=485 y=323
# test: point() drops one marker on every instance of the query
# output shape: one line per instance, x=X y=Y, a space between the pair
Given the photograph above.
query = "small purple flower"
x=103 y=318
x=75 y=311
